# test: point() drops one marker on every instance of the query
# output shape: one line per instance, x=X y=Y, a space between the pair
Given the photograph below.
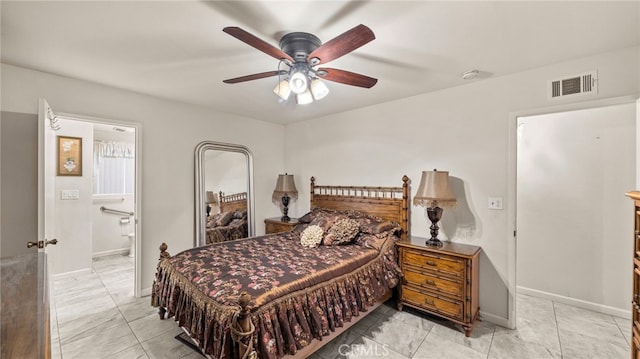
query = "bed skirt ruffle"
x=285 y=325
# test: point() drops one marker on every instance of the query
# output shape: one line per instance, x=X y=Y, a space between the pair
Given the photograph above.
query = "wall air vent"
x=581 y=84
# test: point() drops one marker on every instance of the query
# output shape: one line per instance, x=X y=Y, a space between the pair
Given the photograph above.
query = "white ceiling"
x=177 y=50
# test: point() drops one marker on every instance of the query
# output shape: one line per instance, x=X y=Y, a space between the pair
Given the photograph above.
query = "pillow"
x=316 y=212
x=372 y=224
x=327 y=219
x=375 y=241
x=311 y=236
x=239 y=214
x=224 y=219
x=342 y=232
x=236 y=222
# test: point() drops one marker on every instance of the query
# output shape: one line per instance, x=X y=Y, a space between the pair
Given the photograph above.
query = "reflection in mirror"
x=224 y=192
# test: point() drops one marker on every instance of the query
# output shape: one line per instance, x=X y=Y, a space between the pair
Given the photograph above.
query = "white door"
x=46 y=175
x=46 y=213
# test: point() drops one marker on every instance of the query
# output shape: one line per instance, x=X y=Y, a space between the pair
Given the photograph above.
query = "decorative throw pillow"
x=239 y=214
x=317 y=212
x=372 y=224
x=342 y=232
x=327 y=220
x=375 y=241
x=311 y=236
x=224 y=219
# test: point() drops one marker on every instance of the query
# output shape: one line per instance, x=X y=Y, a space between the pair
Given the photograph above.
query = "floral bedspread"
x=228 y=232
x=298 y=293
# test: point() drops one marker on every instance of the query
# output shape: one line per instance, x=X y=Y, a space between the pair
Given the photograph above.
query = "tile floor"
x=96 y=316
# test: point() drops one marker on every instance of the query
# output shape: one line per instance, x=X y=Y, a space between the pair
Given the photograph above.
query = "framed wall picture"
x=69 y=156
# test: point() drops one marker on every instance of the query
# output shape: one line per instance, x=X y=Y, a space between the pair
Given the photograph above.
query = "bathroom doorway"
x=97 y=209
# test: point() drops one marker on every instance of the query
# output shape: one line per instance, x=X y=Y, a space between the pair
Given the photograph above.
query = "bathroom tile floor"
x=96 y=316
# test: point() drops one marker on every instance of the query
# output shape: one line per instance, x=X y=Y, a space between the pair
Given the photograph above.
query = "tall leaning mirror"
x=224 y=192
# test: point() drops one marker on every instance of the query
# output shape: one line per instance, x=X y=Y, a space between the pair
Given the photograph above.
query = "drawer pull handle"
x=430 y=282
x=432 y=263
x=429 y=302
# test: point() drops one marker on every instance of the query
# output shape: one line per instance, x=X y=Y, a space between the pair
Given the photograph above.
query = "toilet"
x=132 y=244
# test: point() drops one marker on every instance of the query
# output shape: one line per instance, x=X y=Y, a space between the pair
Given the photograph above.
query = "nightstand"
x=442 y=281
x=275 y=225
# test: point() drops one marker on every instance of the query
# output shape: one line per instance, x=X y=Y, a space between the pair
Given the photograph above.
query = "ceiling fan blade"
x=255 y=76
x=347 y=78
x=342 y=44
x=257 y=43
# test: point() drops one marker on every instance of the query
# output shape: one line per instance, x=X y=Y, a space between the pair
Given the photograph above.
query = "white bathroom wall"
x=73 y=218
x=109 y=234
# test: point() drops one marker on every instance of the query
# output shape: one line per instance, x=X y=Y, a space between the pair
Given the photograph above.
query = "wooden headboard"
x=389 y=203
x=233 y=202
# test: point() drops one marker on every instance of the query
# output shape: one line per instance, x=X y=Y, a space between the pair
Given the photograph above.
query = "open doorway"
x=97 y=207
x=573 y=169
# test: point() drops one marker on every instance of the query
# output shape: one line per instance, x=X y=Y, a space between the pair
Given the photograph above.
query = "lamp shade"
x=304 y=98
x=434 y=190
x=285 y=185
x=212 y=198
x=282 y=89
x=319 y=89
x=298 y=82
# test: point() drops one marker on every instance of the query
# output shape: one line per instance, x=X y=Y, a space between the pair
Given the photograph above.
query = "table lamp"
x=285 y=191
x=211 y=199
x=434 y=193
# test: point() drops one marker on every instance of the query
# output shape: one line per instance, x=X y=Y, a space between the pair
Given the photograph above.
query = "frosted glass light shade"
x=282 y=89
x=304 y=98
x=319 y=89
x=298 y=82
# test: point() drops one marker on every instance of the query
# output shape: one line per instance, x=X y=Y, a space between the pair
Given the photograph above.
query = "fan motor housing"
x=299 y=45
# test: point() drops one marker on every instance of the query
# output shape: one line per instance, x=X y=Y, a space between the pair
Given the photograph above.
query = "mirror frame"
x=200 y=199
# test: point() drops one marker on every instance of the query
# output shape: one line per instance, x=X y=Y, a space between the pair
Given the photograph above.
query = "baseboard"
x=492 y=318
x=600 y=308
x=145 y=292
x=110 y=252
x=66 y=274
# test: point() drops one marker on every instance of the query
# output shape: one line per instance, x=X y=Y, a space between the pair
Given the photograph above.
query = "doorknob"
x=41 y=244
x=33 y=244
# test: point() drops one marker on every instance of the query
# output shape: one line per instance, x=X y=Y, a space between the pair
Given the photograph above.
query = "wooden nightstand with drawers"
x=442 y=281
x=275 y=225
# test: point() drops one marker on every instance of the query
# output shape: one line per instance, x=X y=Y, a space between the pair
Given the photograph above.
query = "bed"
x=270 y=297
x=231 y=222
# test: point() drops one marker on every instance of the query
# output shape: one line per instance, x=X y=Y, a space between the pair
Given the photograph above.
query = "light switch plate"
x=495 y=202
x=70 y=194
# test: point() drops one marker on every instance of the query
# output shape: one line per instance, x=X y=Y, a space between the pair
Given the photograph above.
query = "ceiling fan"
x=302 y=53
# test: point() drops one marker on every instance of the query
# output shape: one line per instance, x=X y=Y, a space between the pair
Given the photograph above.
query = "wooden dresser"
x=442 y=281
x=275 y=225
x=635 y=299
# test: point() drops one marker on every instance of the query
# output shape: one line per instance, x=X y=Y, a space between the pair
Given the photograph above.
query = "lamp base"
x=434 y=242
x=285 y=208
x=434 y=213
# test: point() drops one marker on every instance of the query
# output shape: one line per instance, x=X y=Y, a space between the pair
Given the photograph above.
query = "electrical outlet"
x=495 y=202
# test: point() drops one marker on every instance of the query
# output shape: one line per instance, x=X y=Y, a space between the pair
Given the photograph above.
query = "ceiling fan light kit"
x=282 y=89
x=302 y=52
